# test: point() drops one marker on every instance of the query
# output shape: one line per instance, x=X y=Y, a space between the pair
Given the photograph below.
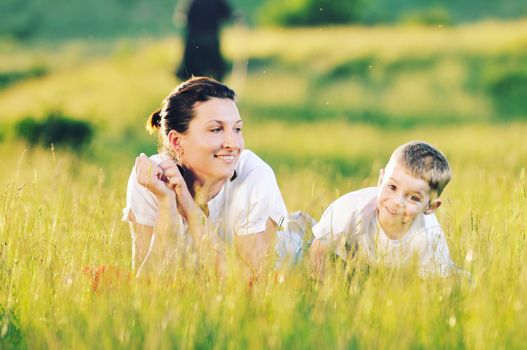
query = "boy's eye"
x=238 y=130
x=392 y=187
x=415 y=198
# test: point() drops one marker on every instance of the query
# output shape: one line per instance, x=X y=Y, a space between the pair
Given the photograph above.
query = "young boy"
x=393 y=224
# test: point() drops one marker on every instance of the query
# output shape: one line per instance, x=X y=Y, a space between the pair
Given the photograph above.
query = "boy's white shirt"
x=241 y=207
x=351 y=223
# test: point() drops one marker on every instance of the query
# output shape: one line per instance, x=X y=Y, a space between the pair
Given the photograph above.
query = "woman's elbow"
x=257 y=249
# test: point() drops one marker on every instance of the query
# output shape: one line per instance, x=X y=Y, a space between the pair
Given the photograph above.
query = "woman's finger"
x=167 y=164
x=170 y=169
x=172 y=172
x=174 y=182
x=147 y=172
x=141 y=162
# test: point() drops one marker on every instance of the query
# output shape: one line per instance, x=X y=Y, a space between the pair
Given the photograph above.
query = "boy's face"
x=402 y=197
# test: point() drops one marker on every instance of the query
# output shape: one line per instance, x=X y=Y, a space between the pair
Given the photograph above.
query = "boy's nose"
x=399 y=201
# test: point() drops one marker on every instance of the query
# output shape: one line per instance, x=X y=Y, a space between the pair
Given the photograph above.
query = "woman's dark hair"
x=177 y=110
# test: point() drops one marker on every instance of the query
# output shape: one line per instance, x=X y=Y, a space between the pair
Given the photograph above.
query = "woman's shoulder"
x=158 y=157
x=250 y=163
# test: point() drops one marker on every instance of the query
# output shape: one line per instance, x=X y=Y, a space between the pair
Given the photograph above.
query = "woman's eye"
x=216 y=130
x=238 y=130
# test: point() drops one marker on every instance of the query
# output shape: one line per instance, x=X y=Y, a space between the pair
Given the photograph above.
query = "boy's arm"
x=337 y=222
x=317 y=256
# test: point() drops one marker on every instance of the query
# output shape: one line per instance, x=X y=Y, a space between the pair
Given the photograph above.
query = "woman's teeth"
x=229 y=157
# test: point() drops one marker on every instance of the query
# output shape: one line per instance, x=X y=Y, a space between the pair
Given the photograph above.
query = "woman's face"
x=213 y=142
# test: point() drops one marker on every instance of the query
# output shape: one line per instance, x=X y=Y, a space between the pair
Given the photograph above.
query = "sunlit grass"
x=61 y=213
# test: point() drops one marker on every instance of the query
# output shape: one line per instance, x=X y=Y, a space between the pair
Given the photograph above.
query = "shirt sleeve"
x=324 y=227
x=333 y=223
x=258 y=199
x=141 y=202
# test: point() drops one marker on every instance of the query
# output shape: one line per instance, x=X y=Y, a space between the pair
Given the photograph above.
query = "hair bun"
x=154 y=122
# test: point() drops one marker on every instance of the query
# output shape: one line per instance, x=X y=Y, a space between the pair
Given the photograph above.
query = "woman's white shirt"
x=242 y=206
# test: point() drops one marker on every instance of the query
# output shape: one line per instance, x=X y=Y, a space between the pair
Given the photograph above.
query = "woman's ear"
x=436 y=203
x=174 y=139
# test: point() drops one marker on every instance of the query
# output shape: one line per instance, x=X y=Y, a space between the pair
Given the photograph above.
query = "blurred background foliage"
x=310 y=12
x=56 y=129
x=62 y=19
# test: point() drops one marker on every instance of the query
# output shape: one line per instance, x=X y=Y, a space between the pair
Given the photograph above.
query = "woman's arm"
x=141 y=240
x=256 y=249
x=165 y=181
x=154 y=253
x=147 y=254
x=253 y=249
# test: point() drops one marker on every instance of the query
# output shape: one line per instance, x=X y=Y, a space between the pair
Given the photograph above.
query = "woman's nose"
x=232 y=140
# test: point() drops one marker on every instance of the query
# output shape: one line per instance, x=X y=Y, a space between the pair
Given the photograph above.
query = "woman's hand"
x=151 y=176
x=176 y=182
x=165 y=181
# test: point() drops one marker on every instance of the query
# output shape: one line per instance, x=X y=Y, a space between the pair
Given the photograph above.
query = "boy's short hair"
x=424 y=161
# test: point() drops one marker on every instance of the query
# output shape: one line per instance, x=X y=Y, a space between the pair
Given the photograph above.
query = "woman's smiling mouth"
x=226 y=157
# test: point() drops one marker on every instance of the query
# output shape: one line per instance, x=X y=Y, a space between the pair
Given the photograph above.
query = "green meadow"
x=324 y=107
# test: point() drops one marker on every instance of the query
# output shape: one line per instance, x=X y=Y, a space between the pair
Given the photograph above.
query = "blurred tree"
x=202 y=55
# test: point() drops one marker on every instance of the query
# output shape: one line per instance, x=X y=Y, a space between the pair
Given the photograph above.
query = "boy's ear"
x=436 y=203
x=381 y=175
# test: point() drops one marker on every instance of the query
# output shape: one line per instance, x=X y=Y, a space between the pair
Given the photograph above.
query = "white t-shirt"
x=351 y=224
x=242 y=206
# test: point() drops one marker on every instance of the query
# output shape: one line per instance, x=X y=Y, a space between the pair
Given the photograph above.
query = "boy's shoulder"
x=346 y=211
x=427 y=228
x=360 y=202
x=356 y=200
x=430 y=224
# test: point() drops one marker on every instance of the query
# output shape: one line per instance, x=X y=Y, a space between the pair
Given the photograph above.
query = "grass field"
x=325 y=107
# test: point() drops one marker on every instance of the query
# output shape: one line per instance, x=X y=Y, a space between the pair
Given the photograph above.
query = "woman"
x=203 y=184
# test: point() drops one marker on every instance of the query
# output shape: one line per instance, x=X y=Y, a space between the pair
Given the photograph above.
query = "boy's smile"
x=401 y=198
